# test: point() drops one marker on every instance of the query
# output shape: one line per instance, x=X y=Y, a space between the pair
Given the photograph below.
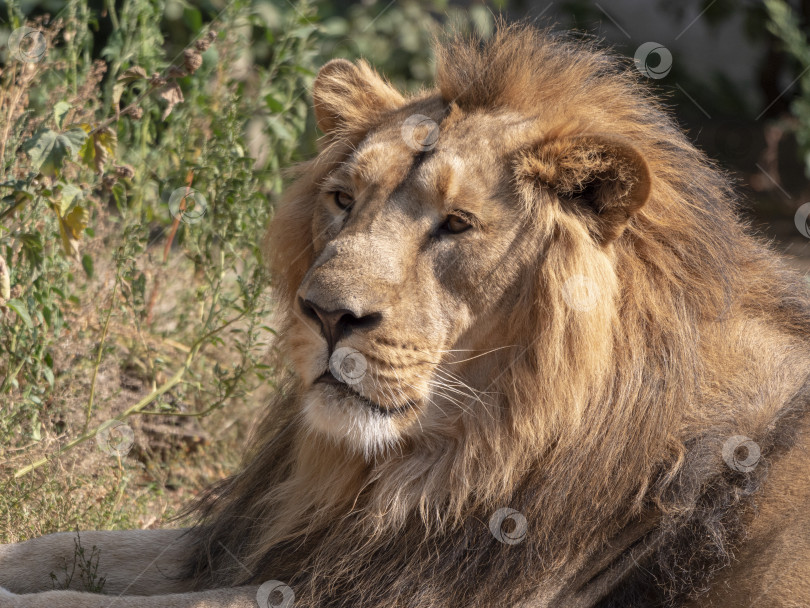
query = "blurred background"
x=142 y=146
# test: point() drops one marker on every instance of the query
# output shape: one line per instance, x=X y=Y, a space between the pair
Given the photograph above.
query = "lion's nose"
x=337 y=324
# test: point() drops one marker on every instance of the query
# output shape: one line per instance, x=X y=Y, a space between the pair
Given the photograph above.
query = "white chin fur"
x=349 y=421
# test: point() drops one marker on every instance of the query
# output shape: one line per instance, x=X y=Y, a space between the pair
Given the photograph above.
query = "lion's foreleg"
x=237 y=597
x=132 y=562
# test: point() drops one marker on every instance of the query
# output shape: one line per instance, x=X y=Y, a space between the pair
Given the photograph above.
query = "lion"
x=537 y=360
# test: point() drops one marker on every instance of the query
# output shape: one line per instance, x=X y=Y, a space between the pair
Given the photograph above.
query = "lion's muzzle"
x=335 y=324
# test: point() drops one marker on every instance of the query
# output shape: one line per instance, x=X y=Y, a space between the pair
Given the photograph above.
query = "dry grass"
x=173 y=456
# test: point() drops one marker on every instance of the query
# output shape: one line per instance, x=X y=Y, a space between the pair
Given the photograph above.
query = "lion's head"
x=522 y=289
x=414 y=251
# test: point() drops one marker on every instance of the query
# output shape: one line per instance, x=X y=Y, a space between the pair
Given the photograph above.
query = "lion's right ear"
x=351 y=97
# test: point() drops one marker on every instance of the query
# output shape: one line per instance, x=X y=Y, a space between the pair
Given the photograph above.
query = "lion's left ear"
x=605 y=174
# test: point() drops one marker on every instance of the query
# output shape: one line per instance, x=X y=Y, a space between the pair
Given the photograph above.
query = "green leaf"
x=66 y=197
x=87 y=264
x=481 y=20
x=60 y=110
x=33 y=248
x=273 y=103
x=193 y=19
x=5 y=280
x=48 y=149
x=119 y=193
x=303 y=32
x=302 y=70
x=16 y=184
x=48 y=373
x=280 y=130
x=138 y=285
x=47 y=315
x=21 y=309
x=36 y=425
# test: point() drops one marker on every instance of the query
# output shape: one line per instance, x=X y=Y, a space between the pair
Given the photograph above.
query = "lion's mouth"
x=345 y=390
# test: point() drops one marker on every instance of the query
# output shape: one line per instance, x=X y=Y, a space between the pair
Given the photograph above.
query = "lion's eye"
x=454 y=224
x=343 y=200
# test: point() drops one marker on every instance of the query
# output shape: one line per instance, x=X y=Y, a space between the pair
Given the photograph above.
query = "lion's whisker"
x=489 y=352
x=443 y=387
x=456 y=381
x=460 y=404
x=462 y=350
x=427 y=397
x=453 y=383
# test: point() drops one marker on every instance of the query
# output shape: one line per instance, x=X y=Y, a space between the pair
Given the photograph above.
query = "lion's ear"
x=348 y=96
x=605 y=174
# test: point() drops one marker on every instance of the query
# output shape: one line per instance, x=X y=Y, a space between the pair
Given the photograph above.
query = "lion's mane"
x=655 y=402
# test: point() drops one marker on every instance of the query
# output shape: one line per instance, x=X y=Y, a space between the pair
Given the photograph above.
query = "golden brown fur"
x=586 y=422
x=494 y=381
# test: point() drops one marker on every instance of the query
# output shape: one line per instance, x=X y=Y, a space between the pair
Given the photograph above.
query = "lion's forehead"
x=467 y=158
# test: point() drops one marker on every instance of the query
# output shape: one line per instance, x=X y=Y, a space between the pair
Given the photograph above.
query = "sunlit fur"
x=586 y=421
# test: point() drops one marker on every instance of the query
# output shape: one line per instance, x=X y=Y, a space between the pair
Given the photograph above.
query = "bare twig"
x=98 y=357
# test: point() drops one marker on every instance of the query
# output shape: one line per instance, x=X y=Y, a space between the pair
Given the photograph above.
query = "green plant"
x=87 y=565
x=101 y=165
x=784 y=24
x=138 y=170
x=398 y=35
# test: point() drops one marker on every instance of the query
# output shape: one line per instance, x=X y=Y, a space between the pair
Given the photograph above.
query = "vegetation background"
x=142 y=147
